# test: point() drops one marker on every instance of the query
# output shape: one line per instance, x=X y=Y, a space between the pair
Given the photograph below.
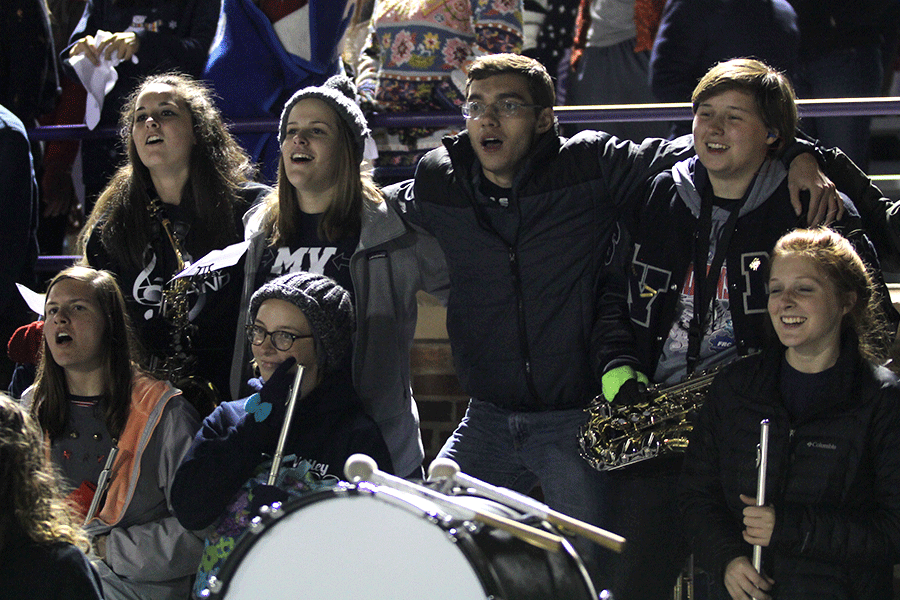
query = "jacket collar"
x=464 y=160
x=847 y=391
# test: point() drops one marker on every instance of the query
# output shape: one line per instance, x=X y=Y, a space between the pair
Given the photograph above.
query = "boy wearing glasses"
x=524 y=218
x=300 y=318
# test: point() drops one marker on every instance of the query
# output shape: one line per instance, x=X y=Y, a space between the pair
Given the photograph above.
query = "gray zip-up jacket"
x=391 y=263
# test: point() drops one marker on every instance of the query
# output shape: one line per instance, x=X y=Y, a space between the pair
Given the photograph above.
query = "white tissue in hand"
x=97 y=80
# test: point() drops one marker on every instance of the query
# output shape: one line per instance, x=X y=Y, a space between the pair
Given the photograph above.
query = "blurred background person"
x=841 y=45
x=277 y=47
x=611 y=56
x=416 y=61
x=18 y=241
x=694 y=35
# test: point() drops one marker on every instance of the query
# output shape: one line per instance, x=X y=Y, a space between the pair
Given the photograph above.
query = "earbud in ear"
x=771 y=135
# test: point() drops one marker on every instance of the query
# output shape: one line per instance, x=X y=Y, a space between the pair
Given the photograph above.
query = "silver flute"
x=286 y=426
x=102 y=484
x=761 y=483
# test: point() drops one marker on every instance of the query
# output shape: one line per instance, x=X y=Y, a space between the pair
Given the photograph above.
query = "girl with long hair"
x=830 y=527
x=41 y=546
x=328 y=217
x=90 y=399
x=181 y=194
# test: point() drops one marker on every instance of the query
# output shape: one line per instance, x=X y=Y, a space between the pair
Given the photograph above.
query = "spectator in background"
x=611 y=56
x=41 y=545
x=18 y=241
x=694 y=35
x=549 y=31
x=841 y=57
x=267 y=51
x=416 y=61
x=29 y=83
x=62 y=192
x=161 y=36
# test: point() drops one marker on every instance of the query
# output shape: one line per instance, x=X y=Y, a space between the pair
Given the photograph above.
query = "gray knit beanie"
x=326 y=306
x=339 y=93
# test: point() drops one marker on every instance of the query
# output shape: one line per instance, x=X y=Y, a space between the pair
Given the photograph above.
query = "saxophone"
x=618 y=436
x=180 y=363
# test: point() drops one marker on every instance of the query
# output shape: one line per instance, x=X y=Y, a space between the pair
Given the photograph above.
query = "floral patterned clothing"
x=417 y=57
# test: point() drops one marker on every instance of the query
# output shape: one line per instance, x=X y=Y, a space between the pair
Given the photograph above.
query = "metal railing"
x=836 y=107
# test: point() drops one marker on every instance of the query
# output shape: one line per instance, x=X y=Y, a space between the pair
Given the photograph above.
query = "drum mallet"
x=448 y=470
x=285 y=427
x=360 y=467
x=761 y=484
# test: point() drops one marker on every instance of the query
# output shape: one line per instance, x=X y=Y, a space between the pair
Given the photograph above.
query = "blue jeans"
x=848 y=73
x=520 y=450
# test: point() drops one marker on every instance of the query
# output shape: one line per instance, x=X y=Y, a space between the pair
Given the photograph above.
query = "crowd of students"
x=568 y=267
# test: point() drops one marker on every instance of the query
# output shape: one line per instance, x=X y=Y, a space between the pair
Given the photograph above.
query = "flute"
x=102 y=484
x=761 y=483
x=286 y=426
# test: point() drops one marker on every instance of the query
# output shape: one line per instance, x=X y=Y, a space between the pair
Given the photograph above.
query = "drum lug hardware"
x=214 y=585
x=256 y=525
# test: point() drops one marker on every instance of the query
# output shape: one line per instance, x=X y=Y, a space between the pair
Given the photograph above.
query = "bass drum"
x=377 y=543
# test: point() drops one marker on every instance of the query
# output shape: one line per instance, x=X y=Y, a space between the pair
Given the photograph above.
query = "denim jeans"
x=520 y=450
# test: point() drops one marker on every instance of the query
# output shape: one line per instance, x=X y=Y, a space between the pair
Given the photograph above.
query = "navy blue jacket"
x=329 y=426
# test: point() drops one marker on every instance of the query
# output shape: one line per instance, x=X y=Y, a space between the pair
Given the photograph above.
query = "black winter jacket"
x=523 y=278
x=833 y=478
x=329 y=426
x=662 y=250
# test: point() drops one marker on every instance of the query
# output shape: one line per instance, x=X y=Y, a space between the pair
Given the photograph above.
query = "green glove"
x=613 y=380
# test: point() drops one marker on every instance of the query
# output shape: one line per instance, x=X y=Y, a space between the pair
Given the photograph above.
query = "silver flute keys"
x=102 y=484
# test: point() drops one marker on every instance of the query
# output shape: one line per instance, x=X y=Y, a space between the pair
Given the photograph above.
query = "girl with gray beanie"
x=327 y=216
x=299 y=318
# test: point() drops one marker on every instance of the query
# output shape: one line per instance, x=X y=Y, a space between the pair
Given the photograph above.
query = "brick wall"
x=441 y=401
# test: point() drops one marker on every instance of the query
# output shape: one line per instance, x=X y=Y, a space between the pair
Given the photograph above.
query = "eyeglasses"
x=282 y=340
x=504 y=108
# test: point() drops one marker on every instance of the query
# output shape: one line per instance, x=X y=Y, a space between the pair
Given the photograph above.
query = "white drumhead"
x=352 y=547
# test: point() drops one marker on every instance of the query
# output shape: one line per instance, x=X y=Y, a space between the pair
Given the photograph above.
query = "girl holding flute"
x=300 y=319
x=831 y=524
x=91 y=400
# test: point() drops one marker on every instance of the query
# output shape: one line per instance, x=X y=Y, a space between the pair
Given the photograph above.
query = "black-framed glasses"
x=282 y=340
x=504 y=108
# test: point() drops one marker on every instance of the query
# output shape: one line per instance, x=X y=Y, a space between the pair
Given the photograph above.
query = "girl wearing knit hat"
x=299 y=318
x=327 y=216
